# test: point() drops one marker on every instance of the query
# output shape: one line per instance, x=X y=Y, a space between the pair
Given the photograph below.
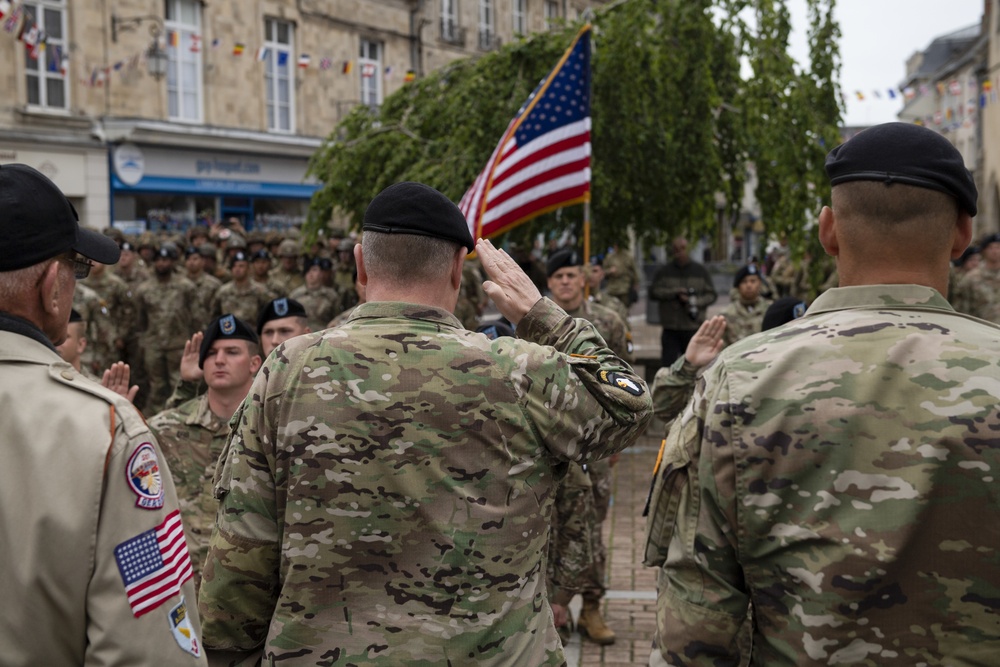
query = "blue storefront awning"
x=214 y=186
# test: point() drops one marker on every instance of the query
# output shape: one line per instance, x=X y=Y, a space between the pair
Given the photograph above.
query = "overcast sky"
x=877 y=37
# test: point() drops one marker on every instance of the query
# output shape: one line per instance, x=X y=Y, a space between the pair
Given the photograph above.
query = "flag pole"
x=586 y=246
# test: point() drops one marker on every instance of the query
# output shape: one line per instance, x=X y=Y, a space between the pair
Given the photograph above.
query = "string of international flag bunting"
x=19 y=23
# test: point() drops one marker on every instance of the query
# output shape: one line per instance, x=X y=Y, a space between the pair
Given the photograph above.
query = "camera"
x=692 y=304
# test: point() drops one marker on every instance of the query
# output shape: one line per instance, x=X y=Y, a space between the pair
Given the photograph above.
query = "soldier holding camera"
x=685 y=291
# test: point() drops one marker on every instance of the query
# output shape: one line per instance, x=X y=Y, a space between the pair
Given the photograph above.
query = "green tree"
x=675 y=121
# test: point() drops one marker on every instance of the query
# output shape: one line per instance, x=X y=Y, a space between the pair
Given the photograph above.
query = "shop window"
x=520 y=15
x=47 y=59
x=370 y=66
x=184 y=84
x=278 y=75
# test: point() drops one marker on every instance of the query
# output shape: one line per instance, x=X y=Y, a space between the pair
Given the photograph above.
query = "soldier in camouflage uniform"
x=280 y=320
x=322 y=303
x=193 y=434
x=387 y=492
x=980 y=288
x=260 y=270
x=958 y=295
x=133 y=274
x=241 y=296
x=745 y=313
x=566 y=282
x=838 y=473
x=623 y=275
x=205 y=284
x=472 y=298
x=346 y=269
x=165 y=319
x=595 y=277
x=118 y=314
x=76 y=342
x=288 y=275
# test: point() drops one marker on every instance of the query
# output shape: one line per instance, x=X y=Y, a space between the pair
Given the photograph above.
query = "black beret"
x=991 y=238
x=969 y=252
x=415 y=208
x=279 y=309
x=191 y=250
x=168 y=251
x=226 y=327
x=238 y=256
x=748 y=270
x=904 y=153
x=262 y=254
x=127 y=245
x=561 y=259
x=324 y=263
x=38 y=222
x=783 y=311
x=496 y=329
x=75 y=316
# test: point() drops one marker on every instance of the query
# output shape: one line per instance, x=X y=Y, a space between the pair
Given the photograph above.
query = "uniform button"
x=67 y=375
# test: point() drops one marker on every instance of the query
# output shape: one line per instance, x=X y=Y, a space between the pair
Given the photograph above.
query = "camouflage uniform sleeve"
x=584 y=401
x=701 y=596
x=570 y=552
x=245 y=545
x=672 y=388
x=183 y=392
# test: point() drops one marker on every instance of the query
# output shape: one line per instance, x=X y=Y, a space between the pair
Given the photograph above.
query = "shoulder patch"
x=182 y=630
x=142 y=472
x=621 y=381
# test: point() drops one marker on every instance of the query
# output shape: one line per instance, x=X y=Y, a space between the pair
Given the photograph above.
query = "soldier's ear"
x=962 y=235
x=255 y=364
x=456 y=268
x=828 y=232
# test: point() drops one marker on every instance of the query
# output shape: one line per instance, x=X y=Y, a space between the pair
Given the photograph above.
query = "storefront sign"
x=130 y=163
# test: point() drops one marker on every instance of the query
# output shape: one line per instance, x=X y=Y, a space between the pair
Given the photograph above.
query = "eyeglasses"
x=81 y=266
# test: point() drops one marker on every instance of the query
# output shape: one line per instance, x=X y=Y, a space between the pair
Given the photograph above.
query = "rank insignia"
x=621 y=381
x=144 y=477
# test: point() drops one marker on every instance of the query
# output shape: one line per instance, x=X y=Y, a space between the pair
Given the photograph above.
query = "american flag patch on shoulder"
x=154 y=564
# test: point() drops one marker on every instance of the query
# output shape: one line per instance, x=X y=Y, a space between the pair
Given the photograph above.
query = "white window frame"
x=274 y=74
x=519 y=16
x=551 y=13
x=184 y=68
x=449 y=20
x=370 y=72
x=40 y=72
x=487 y=24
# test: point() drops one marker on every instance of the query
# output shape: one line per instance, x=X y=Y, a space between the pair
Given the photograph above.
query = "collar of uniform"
x=879 y=296
x=203 y=416
x=410 y=311
x=22 y=327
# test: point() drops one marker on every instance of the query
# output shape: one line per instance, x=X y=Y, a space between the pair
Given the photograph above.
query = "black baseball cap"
x=38 y=222
x=415 y=208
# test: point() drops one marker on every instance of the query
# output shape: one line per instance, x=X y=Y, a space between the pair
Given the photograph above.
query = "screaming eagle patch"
x=621 y=381
x=144 y=477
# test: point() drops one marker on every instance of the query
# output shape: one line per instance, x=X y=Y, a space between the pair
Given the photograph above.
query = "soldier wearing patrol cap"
x=837 y=474
x=193 y=434
x=205 y=283
x=241 y=296
x=288 y=275
x=166 y=318
x=417 y=462
x=77 y=568
x=322 y=303
x=280 y=320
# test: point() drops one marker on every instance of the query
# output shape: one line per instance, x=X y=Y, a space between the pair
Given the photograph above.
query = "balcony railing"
x=488 y=40
x=451 y=32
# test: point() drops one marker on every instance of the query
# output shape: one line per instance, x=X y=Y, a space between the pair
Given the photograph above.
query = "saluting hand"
x=117 y=377
x=707 y=342
x=508 y=286
x=189 y=360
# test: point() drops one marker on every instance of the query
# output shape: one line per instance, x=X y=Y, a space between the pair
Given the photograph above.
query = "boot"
x=592 y=625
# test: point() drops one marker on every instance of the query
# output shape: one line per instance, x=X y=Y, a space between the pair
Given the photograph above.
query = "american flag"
x=154 y=565
x=543 y=159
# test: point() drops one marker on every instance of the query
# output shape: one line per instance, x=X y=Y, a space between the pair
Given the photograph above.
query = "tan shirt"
x=67 y=501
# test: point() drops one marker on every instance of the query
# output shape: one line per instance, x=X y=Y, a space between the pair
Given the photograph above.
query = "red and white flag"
x=543 y=159
x=154 y=565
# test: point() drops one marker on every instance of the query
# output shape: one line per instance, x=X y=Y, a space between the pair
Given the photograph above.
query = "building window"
x=520 y=14
x=370 y=66
x=449 y=20
x=44 y=61
x=278 y=75
x=551 y=13
x=487 y=29
x=184 y=85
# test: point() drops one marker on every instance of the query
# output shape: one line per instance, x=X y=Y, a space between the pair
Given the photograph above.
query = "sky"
x=877 y=38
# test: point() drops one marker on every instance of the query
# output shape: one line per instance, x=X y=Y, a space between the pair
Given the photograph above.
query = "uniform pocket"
x=669 y=485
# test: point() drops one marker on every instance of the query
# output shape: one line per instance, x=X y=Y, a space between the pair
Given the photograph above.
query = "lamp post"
x=156 y=57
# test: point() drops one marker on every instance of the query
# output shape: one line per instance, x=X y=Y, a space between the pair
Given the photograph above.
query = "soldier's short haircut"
x=890 y=205
x=403 y=259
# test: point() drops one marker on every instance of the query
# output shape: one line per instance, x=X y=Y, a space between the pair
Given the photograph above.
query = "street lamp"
x=156 y=58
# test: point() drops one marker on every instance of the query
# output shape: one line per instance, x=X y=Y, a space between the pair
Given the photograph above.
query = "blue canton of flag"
x=543 y=159
x=153 y=565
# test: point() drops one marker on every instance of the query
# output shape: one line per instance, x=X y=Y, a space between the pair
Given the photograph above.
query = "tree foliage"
x=688 y=97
